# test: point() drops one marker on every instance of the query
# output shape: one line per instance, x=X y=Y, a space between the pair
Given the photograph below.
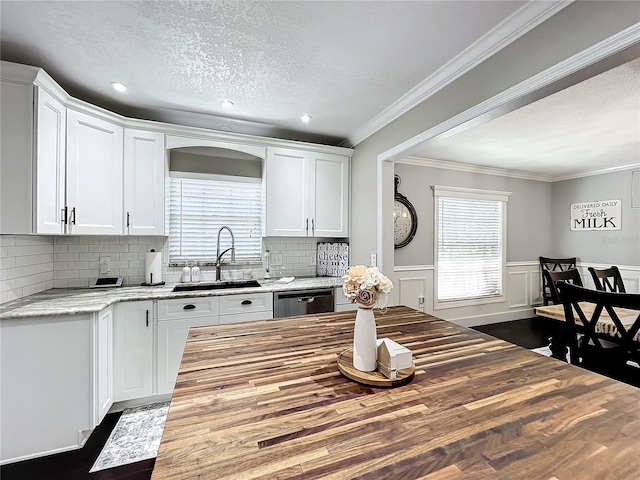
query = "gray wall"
x=528 y=211
x=577 y=27
x=610 y=247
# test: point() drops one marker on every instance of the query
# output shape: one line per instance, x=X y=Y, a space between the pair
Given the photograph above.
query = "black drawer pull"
x=189 y=306
x=247 y=302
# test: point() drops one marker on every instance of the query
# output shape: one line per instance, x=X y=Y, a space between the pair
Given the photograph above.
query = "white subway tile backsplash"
x=105 y=240
x=78 y=248
x=26 y=265
x=30 y=264
x=60 y=248
x=66 y=257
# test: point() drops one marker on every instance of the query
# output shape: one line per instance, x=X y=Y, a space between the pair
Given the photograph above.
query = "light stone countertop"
x=72 y=301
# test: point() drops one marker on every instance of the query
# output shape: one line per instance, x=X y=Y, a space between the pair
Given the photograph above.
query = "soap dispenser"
x=186 y=273
x=195 y=272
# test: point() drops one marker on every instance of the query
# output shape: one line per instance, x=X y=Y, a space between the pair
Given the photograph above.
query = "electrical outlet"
x=312 y=260
x=105 y=264
x=276 y=258
x=374 y=260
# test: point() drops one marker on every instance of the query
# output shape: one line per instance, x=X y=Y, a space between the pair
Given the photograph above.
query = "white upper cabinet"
x=287 y=204
x=329 y=195
x=144 y=168
x=94 y=175
x=50 y=161
x=307 y=194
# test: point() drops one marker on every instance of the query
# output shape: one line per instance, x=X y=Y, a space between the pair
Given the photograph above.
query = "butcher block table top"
x=265 y=400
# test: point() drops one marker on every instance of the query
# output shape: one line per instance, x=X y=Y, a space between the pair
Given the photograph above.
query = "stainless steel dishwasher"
x=302 y=302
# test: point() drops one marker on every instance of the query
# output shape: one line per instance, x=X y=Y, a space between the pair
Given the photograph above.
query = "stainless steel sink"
x=191 y=287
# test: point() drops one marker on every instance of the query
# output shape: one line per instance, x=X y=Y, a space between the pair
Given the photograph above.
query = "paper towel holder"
x=151 y=283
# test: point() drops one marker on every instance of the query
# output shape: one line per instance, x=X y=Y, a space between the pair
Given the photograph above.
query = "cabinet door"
x=132 y=350
x=16 y=154
x=329 y=196
x=103 y=358
x=94 y=175
x=172 y=337
x=144 y=167
x=287 y=197
x=51 y=124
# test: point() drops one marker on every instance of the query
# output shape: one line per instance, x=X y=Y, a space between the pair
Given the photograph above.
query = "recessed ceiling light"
x=119 y=87
x=226 y=104
x=305 y=118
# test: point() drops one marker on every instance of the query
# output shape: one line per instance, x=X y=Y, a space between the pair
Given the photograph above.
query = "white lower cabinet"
x=55 y=383
x=133 y=350
x=103 y=361
x=175 y=318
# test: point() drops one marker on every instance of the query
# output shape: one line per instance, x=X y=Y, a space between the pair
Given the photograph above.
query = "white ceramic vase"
x=364 y=341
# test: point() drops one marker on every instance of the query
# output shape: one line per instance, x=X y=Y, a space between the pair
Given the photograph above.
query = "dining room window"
x=200 y=204
x=470 y=246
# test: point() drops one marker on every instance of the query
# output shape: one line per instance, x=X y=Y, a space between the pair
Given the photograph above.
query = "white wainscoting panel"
x=412 y=292
x=630 y=275
x=412 y=282
x=517 y=284
x=535 y=284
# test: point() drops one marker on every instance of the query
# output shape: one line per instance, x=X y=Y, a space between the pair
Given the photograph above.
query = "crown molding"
x=500 y=172
x=619 y=168
x=518 y=93
x=466 y=167
x=523 y=20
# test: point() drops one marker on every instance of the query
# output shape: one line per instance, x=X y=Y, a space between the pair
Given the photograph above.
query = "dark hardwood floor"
x=75 y=465
x=535 y=332
x=528 y=333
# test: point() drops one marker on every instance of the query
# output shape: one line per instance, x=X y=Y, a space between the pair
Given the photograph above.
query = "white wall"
x=577 y=27
x=609 y=247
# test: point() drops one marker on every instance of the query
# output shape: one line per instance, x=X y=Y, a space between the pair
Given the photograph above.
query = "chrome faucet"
x=219 y=255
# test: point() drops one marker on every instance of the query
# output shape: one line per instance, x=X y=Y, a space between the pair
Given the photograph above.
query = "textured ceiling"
x=591 y=126
x=343 y=62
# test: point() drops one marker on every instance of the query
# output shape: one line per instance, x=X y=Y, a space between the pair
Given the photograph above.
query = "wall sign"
x=333 y=259
x=598 y=215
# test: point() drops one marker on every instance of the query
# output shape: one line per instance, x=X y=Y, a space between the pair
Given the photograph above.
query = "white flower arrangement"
x=366 y=286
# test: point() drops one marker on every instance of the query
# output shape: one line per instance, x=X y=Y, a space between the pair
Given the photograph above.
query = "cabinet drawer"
x=187 y=308
x=246 y=317
x=251 y=302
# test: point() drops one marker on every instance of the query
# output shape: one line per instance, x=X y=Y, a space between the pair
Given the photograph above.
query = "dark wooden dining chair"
x=572 y=275
x=607 y=279
x=593 y=347
x=553 y=265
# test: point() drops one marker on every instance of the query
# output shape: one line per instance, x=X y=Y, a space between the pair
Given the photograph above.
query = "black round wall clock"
x=405 y=220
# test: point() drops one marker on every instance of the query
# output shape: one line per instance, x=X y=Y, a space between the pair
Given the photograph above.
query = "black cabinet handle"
x=73 y=216
x=128 y=218
x=189 y=306
x=147 y=318
x=247 y=302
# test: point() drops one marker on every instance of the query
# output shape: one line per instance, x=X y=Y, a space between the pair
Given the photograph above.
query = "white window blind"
x=469 y=246
x=198 y=207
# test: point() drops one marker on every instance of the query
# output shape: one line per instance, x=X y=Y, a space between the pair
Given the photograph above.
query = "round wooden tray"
x=372 y=379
